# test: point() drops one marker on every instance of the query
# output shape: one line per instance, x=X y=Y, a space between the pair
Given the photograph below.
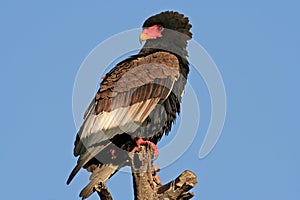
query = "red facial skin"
x=153 y=32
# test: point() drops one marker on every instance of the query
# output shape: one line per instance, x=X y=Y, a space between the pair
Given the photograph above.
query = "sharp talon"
x=140 y=142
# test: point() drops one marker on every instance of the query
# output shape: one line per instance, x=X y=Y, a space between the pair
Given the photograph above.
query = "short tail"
x=99 y=175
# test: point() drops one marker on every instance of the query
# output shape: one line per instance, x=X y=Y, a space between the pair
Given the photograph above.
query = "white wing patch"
x=127 y=119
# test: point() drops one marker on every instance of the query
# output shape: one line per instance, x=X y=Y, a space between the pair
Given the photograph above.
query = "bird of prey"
x=137 y=102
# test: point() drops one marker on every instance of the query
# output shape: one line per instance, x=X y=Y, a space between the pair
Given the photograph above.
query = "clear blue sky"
x=254 y=44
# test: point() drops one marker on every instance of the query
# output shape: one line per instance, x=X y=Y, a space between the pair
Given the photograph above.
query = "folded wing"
x=124 y=101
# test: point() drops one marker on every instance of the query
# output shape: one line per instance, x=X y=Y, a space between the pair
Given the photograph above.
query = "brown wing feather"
x=129 y=88
x=126 y=97
x=123 y=86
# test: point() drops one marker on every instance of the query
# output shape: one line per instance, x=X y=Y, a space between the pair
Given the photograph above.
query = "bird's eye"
x=160 y=28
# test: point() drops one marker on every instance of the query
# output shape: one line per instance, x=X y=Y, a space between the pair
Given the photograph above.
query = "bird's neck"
x=174 y=48
x=178 y=50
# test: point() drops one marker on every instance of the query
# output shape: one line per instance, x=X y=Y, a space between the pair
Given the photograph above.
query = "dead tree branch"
x=146 y=189
x=144 y=174
x=178 y=188
x=103 y=192
x=142 y=171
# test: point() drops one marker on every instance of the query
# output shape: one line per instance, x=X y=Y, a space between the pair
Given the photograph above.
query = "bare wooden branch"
x=144 y=174
x=178 y=188
x=142 y=169
x=103 y=192
x=146 y=189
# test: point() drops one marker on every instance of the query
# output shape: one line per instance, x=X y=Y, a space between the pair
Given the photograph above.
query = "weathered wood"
x=103 y=192
x=142 y=170
x=178 y=188
x=146 y=189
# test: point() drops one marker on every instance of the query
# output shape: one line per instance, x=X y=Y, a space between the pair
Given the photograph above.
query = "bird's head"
x=165 y=30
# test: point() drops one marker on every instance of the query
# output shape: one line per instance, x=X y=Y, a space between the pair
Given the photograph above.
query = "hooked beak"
x=143 y=37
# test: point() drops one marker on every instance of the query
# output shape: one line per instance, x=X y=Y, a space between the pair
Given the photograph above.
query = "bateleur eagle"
x=137 y=100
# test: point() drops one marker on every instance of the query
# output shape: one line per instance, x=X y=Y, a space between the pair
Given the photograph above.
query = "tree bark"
x=146 y=189
x=103 y=192
x=142 y=171
x=178 y=188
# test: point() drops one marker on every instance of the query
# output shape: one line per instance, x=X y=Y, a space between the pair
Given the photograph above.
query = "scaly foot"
x=140 y=142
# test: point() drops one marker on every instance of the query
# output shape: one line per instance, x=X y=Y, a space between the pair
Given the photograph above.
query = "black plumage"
x=139 y=98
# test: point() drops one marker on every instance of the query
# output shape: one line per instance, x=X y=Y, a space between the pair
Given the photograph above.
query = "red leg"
x=140 y=142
